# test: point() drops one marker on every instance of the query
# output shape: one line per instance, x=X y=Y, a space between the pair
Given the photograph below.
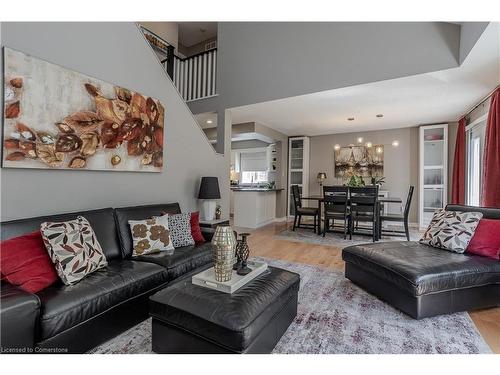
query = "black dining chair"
x=303 y=211
x=401 y=218
x=364 y=206
x=336 y=207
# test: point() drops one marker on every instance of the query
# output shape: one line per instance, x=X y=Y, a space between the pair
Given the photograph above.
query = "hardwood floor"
x=262 y=243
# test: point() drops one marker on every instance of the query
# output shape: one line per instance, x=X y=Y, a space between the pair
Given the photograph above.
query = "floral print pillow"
x=73 y=248
x=150 y=236
x=451 y=230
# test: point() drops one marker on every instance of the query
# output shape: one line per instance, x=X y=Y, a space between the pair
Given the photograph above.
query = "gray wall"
x=253 y=143
x=261 y=61
x=469 y=34
x=281 y=165
x=117 y=53
x=401 y=164
x=196 y=48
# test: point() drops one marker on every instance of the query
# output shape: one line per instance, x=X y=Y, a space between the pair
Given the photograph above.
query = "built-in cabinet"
x=298 y=168
x=433 y=175
x=272 y=158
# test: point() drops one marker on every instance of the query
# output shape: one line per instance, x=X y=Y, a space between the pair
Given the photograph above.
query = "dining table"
x=320 y=199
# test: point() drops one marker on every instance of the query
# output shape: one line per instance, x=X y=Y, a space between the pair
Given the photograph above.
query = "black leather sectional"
x=76 y=318
x=423 y=281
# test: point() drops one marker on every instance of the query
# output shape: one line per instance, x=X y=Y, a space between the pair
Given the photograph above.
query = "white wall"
x=117 y=53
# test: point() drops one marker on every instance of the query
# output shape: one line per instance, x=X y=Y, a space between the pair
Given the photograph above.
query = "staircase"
x=196 y=76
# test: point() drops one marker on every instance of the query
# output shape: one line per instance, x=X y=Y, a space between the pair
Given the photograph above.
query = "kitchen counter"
x=254 y=189
x=254 y=207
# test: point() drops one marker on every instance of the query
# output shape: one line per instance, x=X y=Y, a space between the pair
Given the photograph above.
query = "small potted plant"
x=218 y=212
x=377 y=180
x=356 y=181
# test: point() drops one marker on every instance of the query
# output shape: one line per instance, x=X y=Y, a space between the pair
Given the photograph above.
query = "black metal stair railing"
x=196 y=76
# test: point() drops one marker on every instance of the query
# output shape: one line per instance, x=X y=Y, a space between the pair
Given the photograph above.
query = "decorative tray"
x=206 y=278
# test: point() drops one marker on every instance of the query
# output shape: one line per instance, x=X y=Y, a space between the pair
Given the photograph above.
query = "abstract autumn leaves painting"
x=55 y=118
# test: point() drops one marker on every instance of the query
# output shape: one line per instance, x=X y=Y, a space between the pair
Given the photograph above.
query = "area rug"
x=335 y=316
x=336 y=239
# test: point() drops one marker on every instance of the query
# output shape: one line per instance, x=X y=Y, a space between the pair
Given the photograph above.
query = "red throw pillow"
x=195 y=227
x=24 y=262
x=486 y=239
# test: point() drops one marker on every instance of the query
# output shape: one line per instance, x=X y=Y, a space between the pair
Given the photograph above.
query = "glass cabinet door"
x=433 y=171
x=297 y=154
x=298 y=173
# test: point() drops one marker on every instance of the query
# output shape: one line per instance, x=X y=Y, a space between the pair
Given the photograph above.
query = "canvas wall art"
x=359 y=160
x=55 y=118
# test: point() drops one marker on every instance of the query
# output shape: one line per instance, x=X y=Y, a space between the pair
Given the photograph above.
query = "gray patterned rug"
x=336 y=239
x=335 y=316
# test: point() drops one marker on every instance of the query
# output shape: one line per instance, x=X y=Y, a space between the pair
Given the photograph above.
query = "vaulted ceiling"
x=437 y=96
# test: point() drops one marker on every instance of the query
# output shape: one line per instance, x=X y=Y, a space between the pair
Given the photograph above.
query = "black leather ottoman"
x=192 y=319
x=423 y=281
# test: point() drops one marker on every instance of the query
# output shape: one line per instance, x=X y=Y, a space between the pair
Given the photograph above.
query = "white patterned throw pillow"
x=73 y=248
x=180 y=229
x=150 y=236
x=451 y=230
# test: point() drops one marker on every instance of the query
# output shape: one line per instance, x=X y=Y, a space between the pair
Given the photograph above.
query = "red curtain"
x=458 y=178
x=491 y=164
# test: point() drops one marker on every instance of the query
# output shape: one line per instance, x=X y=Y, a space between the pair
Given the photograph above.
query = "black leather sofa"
x=423 y=281
x=74 y=319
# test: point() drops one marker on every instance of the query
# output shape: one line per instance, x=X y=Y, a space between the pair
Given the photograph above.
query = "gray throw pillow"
x=451 y=230
x=180 y=229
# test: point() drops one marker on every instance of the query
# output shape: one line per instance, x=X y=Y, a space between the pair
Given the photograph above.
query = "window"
x=475 y=149
x=475 y=181
x=253 y=177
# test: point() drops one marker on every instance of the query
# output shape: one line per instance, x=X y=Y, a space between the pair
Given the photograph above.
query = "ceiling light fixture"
x=380 y=115
x=395 y=143
x=336 y=147
x=350 y=119
x=360 y=140
x=209 y=121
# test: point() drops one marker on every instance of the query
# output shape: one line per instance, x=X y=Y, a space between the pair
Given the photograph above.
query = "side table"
x=208 y=227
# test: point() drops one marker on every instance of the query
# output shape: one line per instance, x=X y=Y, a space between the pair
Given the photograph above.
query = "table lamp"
x=321 y=177
x=209 y=191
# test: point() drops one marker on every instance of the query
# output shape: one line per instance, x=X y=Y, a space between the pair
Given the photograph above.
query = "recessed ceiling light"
x=209 y=121
x=350 y=119
x=380 y=115
x=360 y=140
x=395 y=143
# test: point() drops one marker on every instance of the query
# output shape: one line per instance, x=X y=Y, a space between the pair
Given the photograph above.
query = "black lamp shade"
x=209 y=188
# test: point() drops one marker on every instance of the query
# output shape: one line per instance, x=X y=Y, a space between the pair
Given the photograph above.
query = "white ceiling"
x=191 y=33
x=206 y=120
x=426 y=98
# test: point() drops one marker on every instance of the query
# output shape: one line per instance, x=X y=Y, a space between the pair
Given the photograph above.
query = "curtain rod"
x=481 y=102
